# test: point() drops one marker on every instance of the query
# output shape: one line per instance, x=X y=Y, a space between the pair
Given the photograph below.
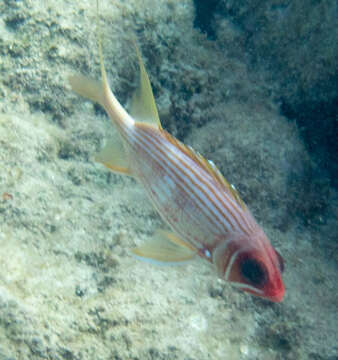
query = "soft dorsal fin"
x=143 y=107
x=210 y=167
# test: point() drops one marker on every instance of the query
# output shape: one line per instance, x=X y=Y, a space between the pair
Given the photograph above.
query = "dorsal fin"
x=219 y=177
x=143 y=107
x=210 y=167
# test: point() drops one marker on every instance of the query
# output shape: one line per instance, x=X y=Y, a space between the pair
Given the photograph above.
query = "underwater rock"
x=295 y=45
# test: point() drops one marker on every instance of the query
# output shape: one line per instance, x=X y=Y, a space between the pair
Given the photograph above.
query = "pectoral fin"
x=165 y=248
x=114 y=157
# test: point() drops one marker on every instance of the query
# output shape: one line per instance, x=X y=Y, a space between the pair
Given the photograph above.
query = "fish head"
x=253 y=266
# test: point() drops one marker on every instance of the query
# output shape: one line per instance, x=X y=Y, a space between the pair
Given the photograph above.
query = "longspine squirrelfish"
x=204 y=211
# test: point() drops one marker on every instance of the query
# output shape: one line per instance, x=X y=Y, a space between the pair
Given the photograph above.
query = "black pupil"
x=253 y=272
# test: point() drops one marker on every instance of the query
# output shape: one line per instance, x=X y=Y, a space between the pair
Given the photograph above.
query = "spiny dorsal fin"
x=210 y=167
x=219 y=177
x=143 y=107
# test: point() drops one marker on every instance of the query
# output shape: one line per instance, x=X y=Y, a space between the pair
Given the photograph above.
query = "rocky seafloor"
x=222 y=77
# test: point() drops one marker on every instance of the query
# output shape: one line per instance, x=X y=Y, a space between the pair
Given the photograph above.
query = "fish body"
x=205 y=213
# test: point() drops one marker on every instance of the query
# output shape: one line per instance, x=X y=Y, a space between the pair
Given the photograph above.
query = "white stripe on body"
x=178 y=177
x=207 y=185
x=236 y=217
x=182 y=230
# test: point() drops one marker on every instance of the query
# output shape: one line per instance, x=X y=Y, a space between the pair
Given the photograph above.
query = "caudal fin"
x=88 y=88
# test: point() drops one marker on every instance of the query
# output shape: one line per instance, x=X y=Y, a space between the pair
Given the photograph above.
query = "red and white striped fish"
x=204 y=211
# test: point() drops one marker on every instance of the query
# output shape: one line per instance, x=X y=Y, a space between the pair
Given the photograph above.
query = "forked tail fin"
x=88 y=88
x=100 y=91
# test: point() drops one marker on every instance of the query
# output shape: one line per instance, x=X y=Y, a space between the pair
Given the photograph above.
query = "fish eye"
x=253 y=271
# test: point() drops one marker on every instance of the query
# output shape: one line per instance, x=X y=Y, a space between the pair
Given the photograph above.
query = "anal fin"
x=165 y=248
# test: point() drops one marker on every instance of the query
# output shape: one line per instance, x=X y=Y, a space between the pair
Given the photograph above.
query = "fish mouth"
x=276 y=295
